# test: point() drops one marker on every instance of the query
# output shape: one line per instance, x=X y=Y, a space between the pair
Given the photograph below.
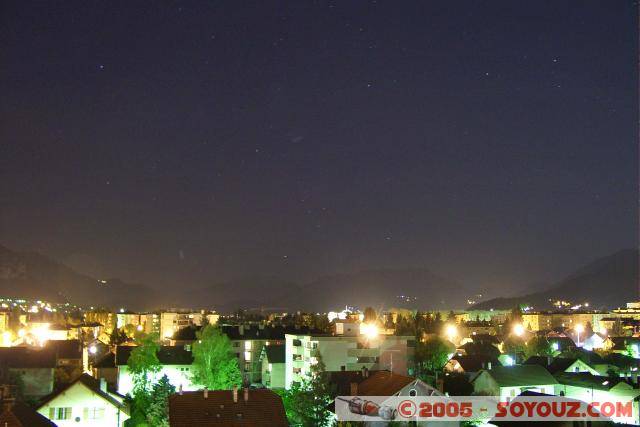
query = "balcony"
x=363 y=352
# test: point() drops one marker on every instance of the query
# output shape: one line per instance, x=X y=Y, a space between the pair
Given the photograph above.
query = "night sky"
x=183 y=143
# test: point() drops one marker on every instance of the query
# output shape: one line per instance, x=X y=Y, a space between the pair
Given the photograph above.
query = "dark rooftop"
x=24 y=357
x=192 y=409
x=275 y=353
x=167 y=355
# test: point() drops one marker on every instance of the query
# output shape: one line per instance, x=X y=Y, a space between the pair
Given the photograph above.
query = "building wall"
x=179 y=375
x=273 y=374
x=342 y=353
x=38 y=382
x=82 y=400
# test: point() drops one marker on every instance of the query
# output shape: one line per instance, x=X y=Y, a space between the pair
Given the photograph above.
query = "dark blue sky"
x=176 y=143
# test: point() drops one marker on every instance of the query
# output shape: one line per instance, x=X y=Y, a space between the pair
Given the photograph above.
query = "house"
x=176 y=365
x=385 y=383
x=106 y=368
x=36 y=368
x=19 y=414
x=85 y=402
x=273 y=365
x=253 y=408
x=561 y=364
x=510 y=381
x=597 y=341
x=470 y=365
x=593 y=388
x=68 y=352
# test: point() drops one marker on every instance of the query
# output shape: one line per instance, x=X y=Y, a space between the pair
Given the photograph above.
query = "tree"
x=514 y=346
x=431 y=356
x=117 y=336
x=538 y=346
x=370 y=315
x=214 y=363
x=306 y=403
x=158 y=409
x=143 y=362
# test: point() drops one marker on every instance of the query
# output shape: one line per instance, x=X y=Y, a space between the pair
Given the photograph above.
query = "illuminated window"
x=93 y=413
x=247 y=355
x=270 y=367
x=247 y=345
x=60 y=413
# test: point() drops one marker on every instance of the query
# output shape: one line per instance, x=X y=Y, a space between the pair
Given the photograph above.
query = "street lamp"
x=518 y=329
x=451 y=331
x=579 y=329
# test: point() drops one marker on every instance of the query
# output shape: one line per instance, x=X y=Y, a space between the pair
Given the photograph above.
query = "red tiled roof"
x=383 y=383
x=192 y=409
x=21 y=415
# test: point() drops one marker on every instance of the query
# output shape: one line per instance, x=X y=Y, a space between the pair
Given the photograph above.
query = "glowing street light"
x=518 y=329
x=451 y=332
x=93 y=349
x=369 y=330
x=579 y=328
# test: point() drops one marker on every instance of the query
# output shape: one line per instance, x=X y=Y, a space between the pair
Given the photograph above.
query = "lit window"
x=247 y=345
x=270 y=367
x=247 y=355
x=93 y=413
x=60 y=413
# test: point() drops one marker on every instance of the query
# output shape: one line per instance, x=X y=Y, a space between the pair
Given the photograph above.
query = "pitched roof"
x=66 y=349
x=383 y=383
x=342 y=380
x=93 y=385
x=192 y=409
x=561 y=364
x=25 y=358
x=537 y=360
x=520 y=375
x=474 y=363
x=19 y=414
x=167 y=355
x=107 y=361
x=275 y=353
x=586 y=380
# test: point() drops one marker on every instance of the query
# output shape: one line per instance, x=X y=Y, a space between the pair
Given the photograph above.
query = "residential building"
x=176 y=365
x=19 y=414
x=510 y=381
x=106 y=368
x=273 y=365
x=256 y=408
x=470 y=365
x=593 y=388
x=85 y=402
x=346 y=353
x=34 y=366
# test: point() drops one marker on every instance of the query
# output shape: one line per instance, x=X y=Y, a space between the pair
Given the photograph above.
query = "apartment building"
x=346 y=353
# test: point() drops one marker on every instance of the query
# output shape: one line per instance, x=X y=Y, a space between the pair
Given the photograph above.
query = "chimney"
x=366 y=372
x=206 y=393
x=246 y=394
x=241 y=329
x=353 y=389
x=489 y=365
x=363 y=372
x=103 y=385
x=180 y=390
x=235 y=394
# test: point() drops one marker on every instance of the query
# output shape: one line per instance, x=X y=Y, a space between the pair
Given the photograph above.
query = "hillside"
x=377 y=288
x=35 y=276
x=607 y=282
